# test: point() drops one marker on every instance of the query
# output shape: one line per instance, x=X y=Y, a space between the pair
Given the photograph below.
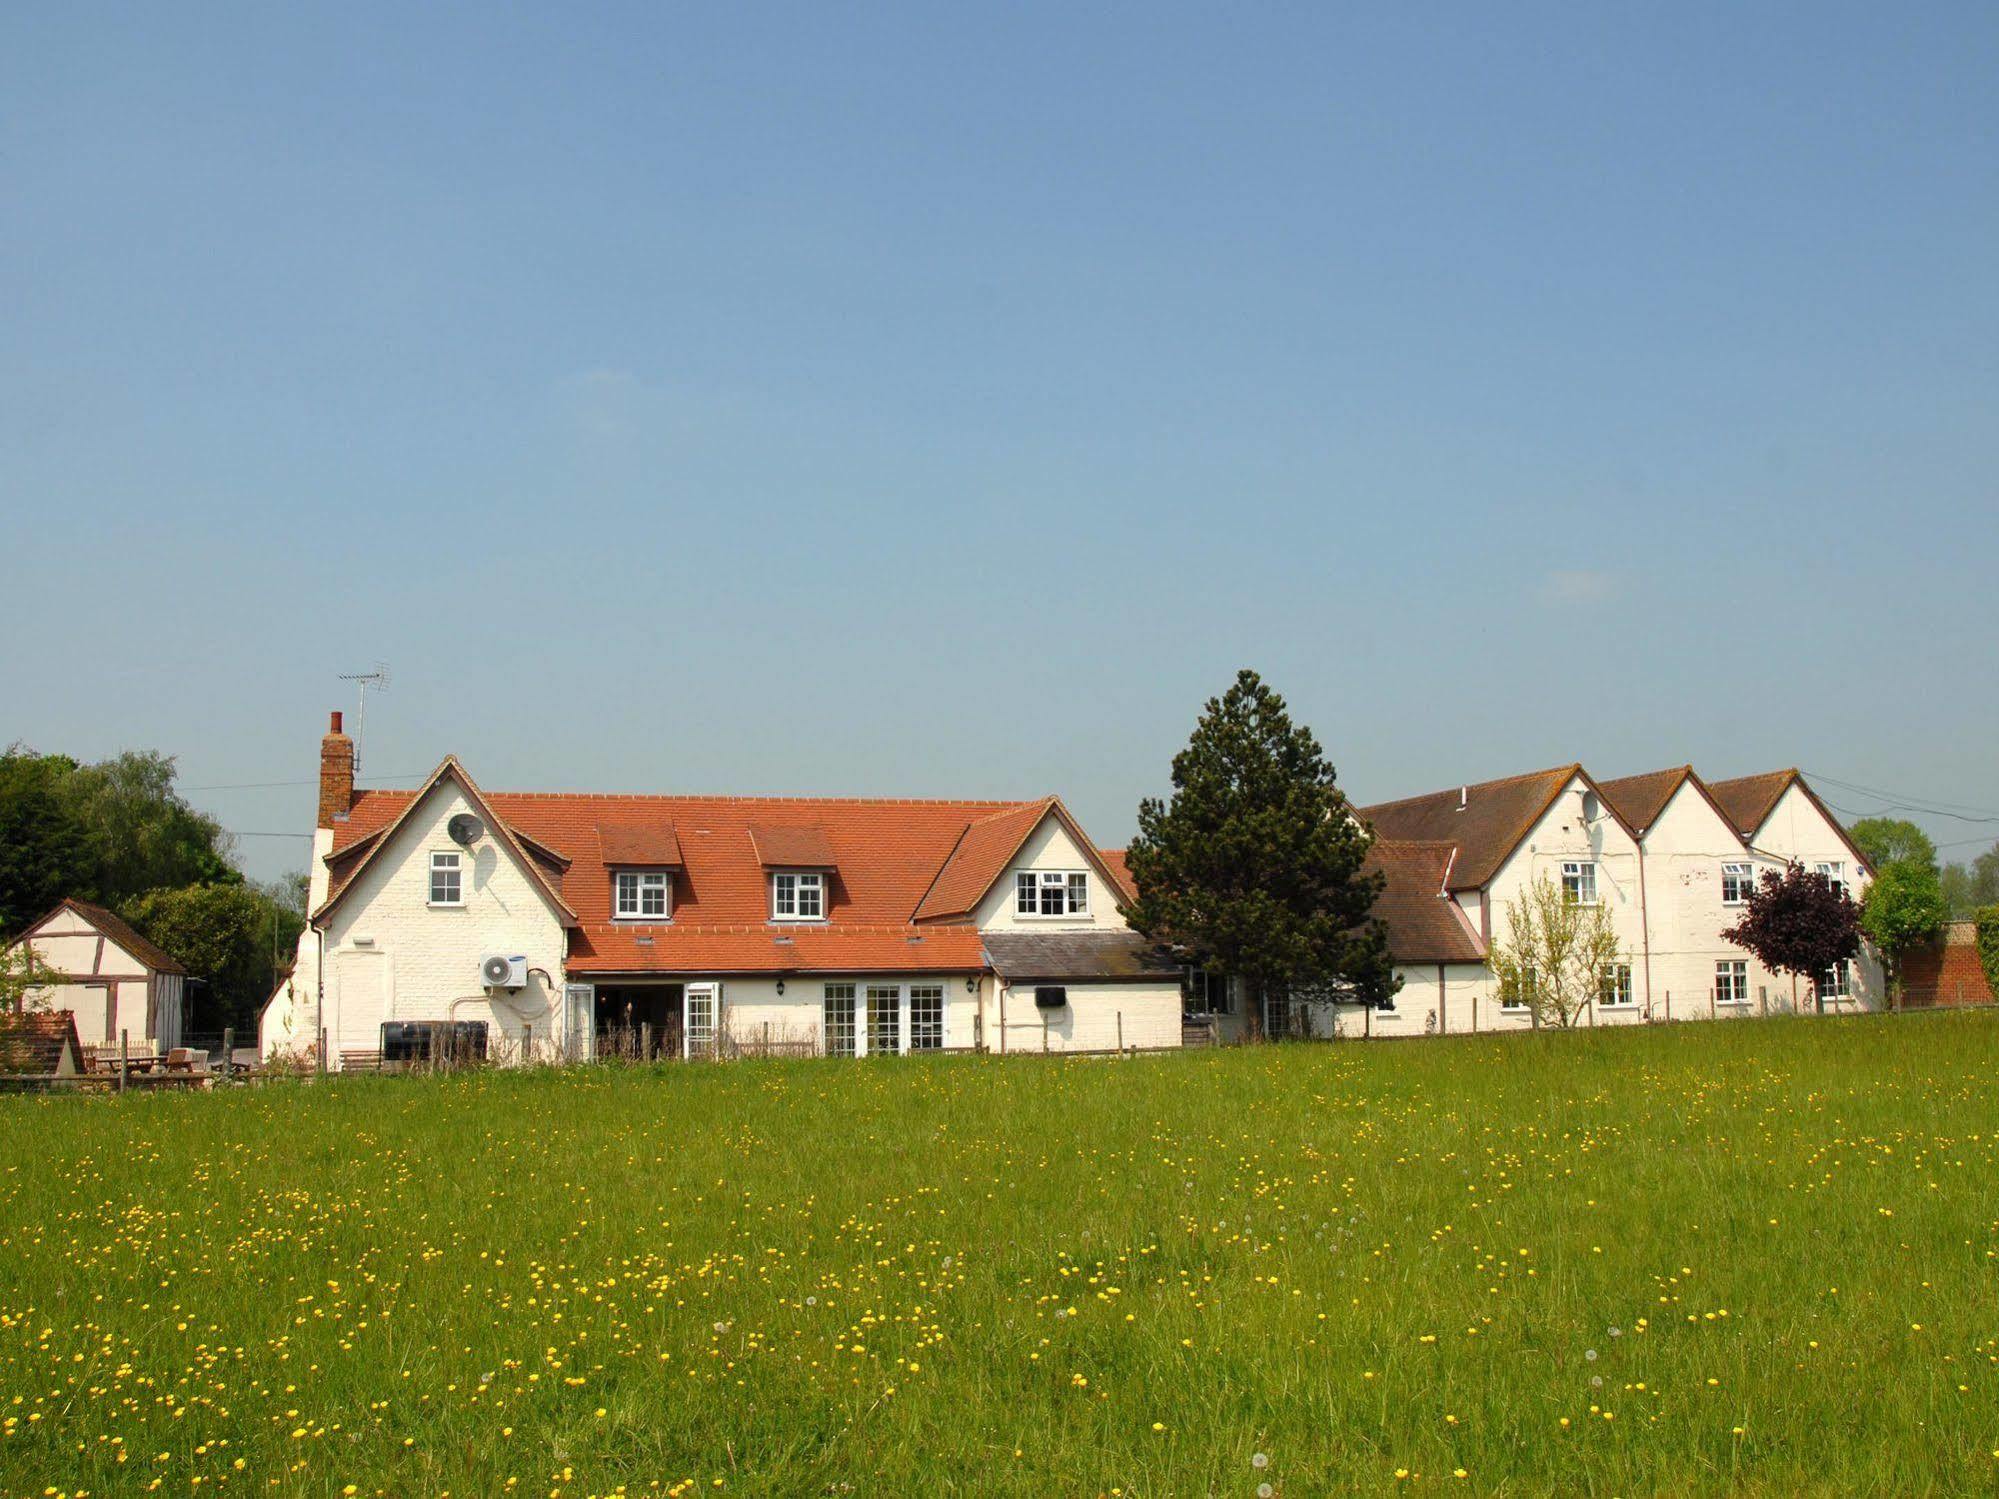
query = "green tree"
x=1555 y=952
x=1799 y=924
x=46 y=852
x=1255 y=865
x=22 y=972
x=1904 y=908
x=1967 y=887
x=1887 y=840
x=1985 y=929
x=219 y=934
x=143 y=835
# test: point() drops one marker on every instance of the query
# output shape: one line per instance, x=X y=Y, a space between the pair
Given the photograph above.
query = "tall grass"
x=1757 y=1256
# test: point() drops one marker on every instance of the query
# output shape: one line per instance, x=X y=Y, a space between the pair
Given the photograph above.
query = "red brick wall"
x=1946 y=972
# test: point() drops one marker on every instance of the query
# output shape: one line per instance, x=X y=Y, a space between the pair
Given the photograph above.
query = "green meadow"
x=1760 y=1257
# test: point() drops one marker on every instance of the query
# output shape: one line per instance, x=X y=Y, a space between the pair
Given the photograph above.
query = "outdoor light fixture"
x=780 y=986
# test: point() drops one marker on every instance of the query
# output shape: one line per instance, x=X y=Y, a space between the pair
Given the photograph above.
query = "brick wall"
x=1947 y=972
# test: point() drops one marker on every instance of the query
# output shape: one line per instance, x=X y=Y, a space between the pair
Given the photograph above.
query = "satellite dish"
x=1589 y=806
x=465 y=829
x=495 y=970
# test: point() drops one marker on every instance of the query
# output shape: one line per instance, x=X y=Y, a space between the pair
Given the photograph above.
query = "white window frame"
x=1744 y=876
x=1522 y=998
x=453 y=862
x=643 y=881
x=1205 y=992
x=1585 y=874
x=898 y=997
x=1737 y=971
x=847 y=993
x=1031 y=888
x=800 y=880
x=1616 y=981
x=1841 y=987
x=1835 y=871
x=909 y=994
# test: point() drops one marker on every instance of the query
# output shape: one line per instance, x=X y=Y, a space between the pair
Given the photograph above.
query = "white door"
x=580 y=1029
x=364 y=1002
x=700 y=1014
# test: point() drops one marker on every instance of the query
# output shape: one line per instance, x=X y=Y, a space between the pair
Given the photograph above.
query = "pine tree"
x=1255 y=867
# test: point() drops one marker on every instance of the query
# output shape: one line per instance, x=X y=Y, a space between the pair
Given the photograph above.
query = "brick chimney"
x=336 y=775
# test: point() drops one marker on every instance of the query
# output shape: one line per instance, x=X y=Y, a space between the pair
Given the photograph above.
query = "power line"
x=268 y=785
x=1903 y=801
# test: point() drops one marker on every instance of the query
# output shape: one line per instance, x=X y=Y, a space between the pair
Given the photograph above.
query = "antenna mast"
x=377 y=679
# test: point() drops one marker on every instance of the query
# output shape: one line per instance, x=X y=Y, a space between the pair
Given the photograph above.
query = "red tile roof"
x=887 y=858
x=1424 y=924
x=636 y=844
x=779 y=846
x=36 y=1044
x=1114 y=861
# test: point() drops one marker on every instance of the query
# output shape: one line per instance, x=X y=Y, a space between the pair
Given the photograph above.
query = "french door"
x=701 y=1014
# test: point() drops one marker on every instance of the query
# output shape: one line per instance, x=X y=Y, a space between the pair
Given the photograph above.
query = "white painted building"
x=701 y=925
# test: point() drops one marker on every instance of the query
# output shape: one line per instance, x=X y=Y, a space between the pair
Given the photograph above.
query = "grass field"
x=1760 y=1256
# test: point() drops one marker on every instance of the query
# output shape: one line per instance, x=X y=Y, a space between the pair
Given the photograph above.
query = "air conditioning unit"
x=501 y=971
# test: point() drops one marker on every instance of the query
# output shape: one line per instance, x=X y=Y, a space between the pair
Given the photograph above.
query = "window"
x=1516 y=991
x=1835 y=875
x=641 y=895
x=1205 y=992
x=1737 y=881
x=1615 y=988
x=439 y=1041
x=1051 y=892
x=1579 y=882
x=1731 y=982
x=884 y=1018
x=1837 y=981
x=447 y=885
x=798 y=897
x=926 y=1017
x=839 y=1020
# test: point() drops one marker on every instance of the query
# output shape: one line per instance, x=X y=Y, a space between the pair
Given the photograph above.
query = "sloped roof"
x=791 y=846
x=1642 y=799
x=536 y=856
x=1101 y=957
x=885 y=856
x=1494 y=818
x=1120 y=871
x=115 y=929
x=1424 y=924
x=638 y=844
x=33 y=1044
x=1748 y=801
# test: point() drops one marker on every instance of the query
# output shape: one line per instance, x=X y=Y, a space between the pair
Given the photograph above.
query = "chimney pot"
x=336 y=722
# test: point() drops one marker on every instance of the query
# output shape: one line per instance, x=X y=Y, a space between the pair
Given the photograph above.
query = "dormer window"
x=798 y=897
x=642 y=895
x=1051 y=892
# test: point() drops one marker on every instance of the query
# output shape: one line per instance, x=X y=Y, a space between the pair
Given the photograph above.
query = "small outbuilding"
x=112 y=979
x=41 y=1043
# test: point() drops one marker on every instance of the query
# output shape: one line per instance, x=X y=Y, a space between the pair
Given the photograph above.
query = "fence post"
x=527 y=1044
x=766 y=1038
x=228 y=1049
x=1120 y=1032
x=645 y=1041
x=1044 y=1032
x=124 y=1060
x=322 y=1051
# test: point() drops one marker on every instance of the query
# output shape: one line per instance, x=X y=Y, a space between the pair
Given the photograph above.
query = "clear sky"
x=922 y=401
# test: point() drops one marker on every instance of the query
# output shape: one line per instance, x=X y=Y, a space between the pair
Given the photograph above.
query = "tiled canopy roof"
x=1424 y=924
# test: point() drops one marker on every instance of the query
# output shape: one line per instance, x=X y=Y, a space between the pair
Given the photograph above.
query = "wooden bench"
x=360 y=1061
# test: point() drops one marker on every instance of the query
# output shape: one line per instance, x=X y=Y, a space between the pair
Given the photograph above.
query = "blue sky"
x=904 y=400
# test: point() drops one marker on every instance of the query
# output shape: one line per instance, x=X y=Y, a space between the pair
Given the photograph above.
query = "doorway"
x=640 y=1022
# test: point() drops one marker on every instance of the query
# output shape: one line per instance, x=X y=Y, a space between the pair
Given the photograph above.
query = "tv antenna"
x=363 y=680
